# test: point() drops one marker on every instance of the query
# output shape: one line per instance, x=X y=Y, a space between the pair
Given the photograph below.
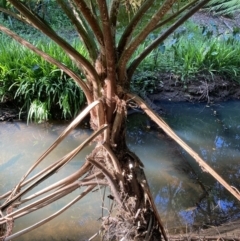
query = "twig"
x=228 y=25
x=94 y=236
x=104 y=193
x=236 y=189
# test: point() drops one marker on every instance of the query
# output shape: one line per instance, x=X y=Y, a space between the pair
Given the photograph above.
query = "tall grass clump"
x=191 y=51
x=38 y=88
x=194 y=50
x=205 y=53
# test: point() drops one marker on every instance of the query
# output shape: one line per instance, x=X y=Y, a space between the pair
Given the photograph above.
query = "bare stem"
x=51 y=216
x=62 y=136
x=63 y=161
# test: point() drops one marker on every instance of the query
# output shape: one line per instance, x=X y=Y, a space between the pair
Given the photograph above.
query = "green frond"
x=224 y=7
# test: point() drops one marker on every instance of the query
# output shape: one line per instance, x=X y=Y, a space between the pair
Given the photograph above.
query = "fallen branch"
x=48 y=199
x=61 y=183
x=70 y=127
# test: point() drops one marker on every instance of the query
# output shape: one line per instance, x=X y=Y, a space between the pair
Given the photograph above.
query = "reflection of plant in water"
x=39 y=139
x=210 y=211
x=211 y=206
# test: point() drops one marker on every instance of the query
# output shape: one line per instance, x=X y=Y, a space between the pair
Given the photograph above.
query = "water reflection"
x=213 y=133
x=21 y=145
x=184 y=194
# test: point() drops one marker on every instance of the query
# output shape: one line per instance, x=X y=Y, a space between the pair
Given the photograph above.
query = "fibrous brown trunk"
x=133 y=215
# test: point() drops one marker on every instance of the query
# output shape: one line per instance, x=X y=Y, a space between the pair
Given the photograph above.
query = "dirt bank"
x=229 y=231
x=167 y=88
x=8 y=111
x=199 y=89
x=202 y=88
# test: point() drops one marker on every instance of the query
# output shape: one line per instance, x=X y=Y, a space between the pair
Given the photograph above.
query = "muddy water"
x=185 y=196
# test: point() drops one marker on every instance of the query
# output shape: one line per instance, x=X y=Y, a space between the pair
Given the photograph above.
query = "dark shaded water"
x=185 y=196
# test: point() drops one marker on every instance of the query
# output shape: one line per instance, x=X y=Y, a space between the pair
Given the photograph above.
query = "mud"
x=199 y=89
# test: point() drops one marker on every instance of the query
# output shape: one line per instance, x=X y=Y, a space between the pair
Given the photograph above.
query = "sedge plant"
x=33 y=82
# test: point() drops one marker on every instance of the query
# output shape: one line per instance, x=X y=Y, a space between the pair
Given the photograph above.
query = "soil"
x=201 y=89
x=168 y=88
x=227 y=232
x=8 y=111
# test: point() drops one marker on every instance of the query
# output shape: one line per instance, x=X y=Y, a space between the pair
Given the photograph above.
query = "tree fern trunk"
x=133 y=215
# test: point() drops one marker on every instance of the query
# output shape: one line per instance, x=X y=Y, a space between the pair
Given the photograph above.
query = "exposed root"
x=126 y=226
x=204 y=91
x=6 y=228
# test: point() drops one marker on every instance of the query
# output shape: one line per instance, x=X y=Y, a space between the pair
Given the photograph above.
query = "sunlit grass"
x=40 y=89
x=192 y=50
x=37 y=86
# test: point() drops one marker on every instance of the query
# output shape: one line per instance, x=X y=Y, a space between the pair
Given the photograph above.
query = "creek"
x=186 y=197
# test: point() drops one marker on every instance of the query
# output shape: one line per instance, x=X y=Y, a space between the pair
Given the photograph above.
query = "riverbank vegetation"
x=223 y=7
x=36 y=86
x=105 y=76
x=44 y=91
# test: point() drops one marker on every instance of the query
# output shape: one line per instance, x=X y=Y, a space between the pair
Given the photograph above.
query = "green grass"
x=192 y=50
x=38 y=87
x=203 y=52
x=43 y=91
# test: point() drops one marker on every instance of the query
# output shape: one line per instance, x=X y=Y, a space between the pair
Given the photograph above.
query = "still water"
x=186 y=197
